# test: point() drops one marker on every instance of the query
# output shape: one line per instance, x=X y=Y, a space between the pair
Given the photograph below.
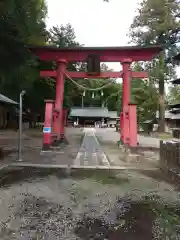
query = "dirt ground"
x=147 y=156
x=32 y=147
x=53 y=204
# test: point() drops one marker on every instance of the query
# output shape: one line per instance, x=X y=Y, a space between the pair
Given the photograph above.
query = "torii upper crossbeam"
x=107 y=54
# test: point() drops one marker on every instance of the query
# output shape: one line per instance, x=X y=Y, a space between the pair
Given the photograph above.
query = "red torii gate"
x=54 y=116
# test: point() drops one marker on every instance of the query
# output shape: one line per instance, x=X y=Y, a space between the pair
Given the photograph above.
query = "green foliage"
x=146 y=98
x=106 y=97
x=158 y=22
x=173 y=96
x=145 y=95
x=21 y=23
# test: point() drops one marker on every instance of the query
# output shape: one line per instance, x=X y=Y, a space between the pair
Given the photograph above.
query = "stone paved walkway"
x=90 y=152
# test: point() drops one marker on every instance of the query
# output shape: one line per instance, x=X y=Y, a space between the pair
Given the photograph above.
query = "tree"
x=63 y=36
x=145 y=95
x=21 y=23
x=158 y=22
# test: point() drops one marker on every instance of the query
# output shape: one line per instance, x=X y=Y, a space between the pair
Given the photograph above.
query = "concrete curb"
x=98 y=167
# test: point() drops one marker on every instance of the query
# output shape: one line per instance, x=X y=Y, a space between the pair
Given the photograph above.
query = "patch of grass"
x=167 y=215
x=170 y=217
x=100 y=176
x=165 y=136
x=109 y=180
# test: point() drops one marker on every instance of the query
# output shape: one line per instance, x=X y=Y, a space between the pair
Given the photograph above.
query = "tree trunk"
x=161 y=113
x=161 y=95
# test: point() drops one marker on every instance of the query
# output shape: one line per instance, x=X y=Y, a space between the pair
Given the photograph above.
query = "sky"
x=96 y=23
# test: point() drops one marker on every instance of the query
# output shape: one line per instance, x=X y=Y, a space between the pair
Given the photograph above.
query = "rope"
x=86 y=88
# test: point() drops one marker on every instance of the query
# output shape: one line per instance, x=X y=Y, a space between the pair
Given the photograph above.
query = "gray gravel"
x=36 y=204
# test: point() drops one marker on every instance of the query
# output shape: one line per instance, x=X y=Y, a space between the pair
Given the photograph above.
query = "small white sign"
x=47 y=130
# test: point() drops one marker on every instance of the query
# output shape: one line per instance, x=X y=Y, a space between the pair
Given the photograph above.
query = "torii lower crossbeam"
x=53 y=73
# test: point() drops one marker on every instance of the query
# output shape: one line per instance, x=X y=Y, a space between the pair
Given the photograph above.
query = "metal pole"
x=20 y=126
x=82 y=102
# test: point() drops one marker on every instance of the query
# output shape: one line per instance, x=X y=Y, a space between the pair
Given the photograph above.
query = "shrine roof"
x=177 y=57
x=176 y=81
x=107 y=54
x=168 y=114
x=174 y=106
x=6 y=99
x=93 y=112
x=113 y=115
x=88 y=112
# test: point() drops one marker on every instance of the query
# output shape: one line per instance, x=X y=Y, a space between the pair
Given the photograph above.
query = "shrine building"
x=93 y=116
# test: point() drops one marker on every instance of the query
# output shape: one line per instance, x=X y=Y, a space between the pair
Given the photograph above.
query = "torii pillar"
x=125 y=137
x=128 y=116
x=58 y=115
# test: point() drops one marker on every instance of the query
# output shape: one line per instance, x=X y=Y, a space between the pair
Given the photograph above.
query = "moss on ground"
x=100 y=176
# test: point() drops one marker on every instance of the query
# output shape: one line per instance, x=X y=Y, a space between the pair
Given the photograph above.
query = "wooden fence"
x=170 y=153
x=176 y=133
